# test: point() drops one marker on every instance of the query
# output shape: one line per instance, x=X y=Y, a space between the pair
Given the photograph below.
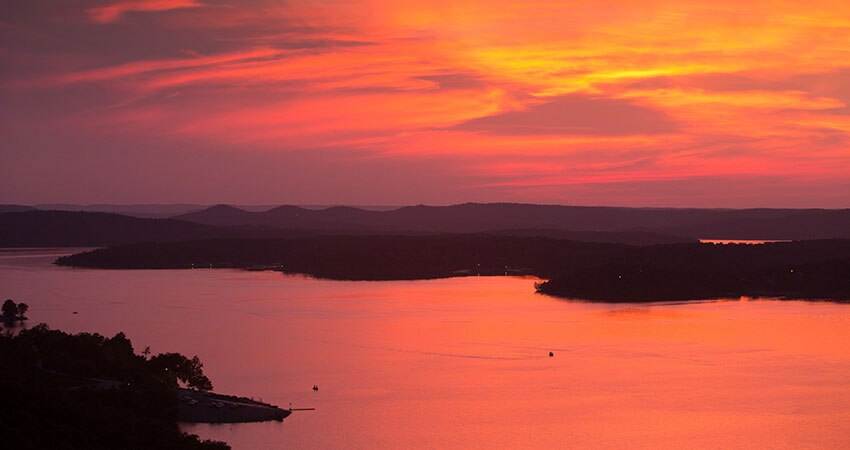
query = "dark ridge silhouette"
x=87 y=229
x=165 y=210
x=15 y=208
x=589 y=224
x=771 y=224
x=465 y=218
x=287 y=216
x=63 y=228
x=476 y=218
x=220 y=215
x=613 y=237
x=150 y=210
x=596 y=271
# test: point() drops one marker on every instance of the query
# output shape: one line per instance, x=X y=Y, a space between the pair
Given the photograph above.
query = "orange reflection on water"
x=463 y=362
x=741 y=241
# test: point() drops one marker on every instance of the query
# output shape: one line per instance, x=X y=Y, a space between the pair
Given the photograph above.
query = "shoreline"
x=591 y=271
x=207 y=407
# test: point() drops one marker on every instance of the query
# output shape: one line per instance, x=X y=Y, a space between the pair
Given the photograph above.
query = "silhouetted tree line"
x=648 y=282
x=63 y=391
x=576 y=269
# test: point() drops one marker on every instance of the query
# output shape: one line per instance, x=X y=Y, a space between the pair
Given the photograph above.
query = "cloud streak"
x=113 y=12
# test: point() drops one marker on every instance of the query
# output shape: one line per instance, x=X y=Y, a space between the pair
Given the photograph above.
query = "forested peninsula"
x=818 y=269
x=89 y=391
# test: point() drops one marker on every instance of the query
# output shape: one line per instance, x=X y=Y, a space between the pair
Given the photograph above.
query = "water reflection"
x=464 y=362
x=742 y=241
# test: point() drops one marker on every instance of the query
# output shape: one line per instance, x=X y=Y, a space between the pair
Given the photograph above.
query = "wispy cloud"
x=575 y=115
x=114 y=11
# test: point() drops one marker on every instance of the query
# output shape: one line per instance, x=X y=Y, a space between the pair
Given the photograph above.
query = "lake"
x=463 y=362
x=741 y=241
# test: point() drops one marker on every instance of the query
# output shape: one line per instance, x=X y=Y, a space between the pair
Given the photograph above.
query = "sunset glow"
x=394 y=102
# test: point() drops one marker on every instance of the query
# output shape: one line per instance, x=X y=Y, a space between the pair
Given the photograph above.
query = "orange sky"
x=651 y=103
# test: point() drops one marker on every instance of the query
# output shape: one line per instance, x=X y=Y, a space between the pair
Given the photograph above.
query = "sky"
x=390 y=102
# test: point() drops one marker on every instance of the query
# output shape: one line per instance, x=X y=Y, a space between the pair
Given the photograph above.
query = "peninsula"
x=818 y=269
x=89 y=391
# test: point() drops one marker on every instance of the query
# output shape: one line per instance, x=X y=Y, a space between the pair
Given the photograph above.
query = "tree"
x=196 y=378
x=174 y=366
x=22 y=310
x=10 y=309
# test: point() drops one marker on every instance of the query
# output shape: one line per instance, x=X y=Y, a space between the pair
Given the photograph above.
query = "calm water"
x=463 y=362
x=741 y=241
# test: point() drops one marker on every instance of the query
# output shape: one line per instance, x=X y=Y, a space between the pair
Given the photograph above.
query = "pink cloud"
x=575 y=115
x=136 y=68
x=113 y=12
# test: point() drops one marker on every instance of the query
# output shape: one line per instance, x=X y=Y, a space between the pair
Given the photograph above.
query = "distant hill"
x=71 y=229
x=773 y=224
x=633 y=226
x=64 y=228
x=220 y=215
x=290 y=217
x=490 y=217
x=15 y=208
x=639 y=238
x=163 y=210
x=144 y=210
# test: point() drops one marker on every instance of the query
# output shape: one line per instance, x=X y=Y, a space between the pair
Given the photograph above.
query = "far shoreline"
x=602 y=272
